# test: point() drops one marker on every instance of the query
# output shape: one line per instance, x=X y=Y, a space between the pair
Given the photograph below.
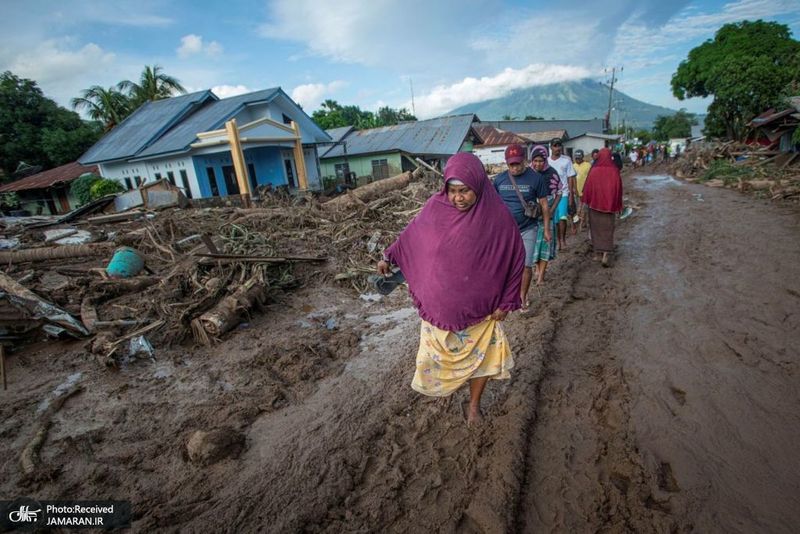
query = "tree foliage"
x=81 y=188
x=671 y=126
x=333 y=115
x=153 y=84
x=103 y=187
x=746 y=68
x=36 y=130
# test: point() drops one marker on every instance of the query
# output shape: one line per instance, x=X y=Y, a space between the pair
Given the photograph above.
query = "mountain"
x=584 y=99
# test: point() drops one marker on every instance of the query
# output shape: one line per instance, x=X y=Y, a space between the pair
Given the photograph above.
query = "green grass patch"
x=722 y=169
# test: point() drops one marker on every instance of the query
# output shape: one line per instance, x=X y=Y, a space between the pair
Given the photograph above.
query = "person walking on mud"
x=463 y=259
x=563 y=166
x=545 y=249
x=520 y=186
x=582 y=168
x=602 y=194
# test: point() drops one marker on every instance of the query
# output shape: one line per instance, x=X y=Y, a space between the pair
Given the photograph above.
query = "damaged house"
x=184 y=140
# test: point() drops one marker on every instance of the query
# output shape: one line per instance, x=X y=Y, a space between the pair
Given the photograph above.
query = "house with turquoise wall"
x=390 y=150
x=182 y=139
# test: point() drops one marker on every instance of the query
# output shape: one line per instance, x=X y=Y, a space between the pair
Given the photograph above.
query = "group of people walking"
x=470 y=255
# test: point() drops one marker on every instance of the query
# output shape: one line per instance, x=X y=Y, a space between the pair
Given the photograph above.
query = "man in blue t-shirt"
x=533 y=188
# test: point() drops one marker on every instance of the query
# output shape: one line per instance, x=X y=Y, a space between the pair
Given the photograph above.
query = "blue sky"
x=367 y=52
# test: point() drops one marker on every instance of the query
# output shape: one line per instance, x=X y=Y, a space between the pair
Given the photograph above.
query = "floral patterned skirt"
x=446 y=360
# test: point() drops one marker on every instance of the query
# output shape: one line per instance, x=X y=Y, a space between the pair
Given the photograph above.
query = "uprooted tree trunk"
x=229 y=311
x=358 y=196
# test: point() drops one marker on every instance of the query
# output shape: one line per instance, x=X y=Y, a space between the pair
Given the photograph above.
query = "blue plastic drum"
x=125 y=262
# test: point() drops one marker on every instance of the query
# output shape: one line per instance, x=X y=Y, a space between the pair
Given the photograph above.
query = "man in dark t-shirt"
x=533 y=188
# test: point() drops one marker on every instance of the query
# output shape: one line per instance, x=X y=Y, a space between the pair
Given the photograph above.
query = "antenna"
x=411 y=84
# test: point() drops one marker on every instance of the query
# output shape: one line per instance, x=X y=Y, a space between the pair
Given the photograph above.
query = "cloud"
x=444 y=98
x=225 y=91
x=62 y=70
x=193 y=44
x=310 y=95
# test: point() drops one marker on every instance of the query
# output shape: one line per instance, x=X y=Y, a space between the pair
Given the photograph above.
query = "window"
x=138 y=180
x=380 y=169
x=212 y=181
x=158 y=176
x=286 y=120
x=230 y=180
x=128 y=184
x=171 y=177
x=251 y=173
x=287 y=163
x=185 y=181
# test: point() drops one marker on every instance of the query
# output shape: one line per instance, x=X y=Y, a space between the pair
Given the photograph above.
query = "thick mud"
x=658 y=395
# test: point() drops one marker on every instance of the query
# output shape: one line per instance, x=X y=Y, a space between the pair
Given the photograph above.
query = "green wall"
x=362 y=165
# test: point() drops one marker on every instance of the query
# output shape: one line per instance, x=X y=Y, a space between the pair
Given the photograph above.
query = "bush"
x=104 y=187
x=81 y=188
x=726 y=171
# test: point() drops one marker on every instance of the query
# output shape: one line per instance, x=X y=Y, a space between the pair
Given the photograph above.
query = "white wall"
x=585 y=143
x=492 y=155
x=147 y=170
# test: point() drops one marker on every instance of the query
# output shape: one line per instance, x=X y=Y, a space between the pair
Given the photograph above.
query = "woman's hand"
x=499 y=315
x=384 y=268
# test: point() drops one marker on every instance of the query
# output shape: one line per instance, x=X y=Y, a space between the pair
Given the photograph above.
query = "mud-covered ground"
x=659 y=395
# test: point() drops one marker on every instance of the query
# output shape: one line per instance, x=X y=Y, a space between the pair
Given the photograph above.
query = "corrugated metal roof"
x=209 y=117
x=440 y=136
x=544 y=137
x=338 y=133
x=574 y=127
x=607 y=137
x=494 y=137
x=142 y=127
x=43 y=180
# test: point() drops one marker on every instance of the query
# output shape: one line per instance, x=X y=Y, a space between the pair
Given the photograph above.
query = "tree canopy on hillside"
x=37 y=131
x=331 y=114
x=747 y=68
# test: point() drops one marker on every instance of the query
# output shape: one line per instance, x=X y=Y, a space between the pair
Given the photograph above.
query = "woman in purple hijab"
x=463 y=259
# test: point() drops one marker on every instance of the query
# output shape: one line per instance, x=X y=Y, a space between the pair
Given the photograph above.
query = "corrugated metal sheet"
x=436 y=137
x=544 y=137
x=142 y=127
x=494 y=137
x=43 y=180
x=209 y=117
x=574 y=127
x=337 y=133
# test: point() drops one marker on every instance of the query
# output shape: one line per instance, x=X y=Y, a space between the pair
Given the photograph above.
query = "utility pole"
x=611 y=83
x=413 y=108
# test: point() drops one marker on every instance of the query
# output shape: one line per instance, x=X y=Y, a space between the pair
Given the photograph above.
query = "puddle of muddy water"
x=656 y=180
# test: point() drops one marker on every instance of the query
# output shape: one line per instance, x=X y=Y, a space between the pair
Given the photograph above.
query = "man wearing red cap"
x=519 y=183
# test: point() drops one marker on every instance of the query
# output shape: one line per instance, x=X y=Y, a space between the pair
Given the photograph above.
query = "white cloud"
x=193 y=44
x=224 y=91
x=443 y=98
x=310 y=95
x=62 y=71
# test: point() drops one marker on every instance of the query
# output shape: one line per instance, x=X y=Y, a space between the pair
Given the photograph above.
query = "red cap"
x=515 y=153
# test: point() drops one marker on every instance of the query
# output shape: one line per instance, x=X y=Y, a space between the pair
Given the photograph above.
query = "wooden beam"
x=3 y=364
x=299 y=159
x=239 y=166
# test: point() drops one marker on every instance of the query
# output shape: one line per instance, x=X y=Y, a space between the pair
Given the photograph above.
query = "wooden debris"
x=36 y=308
x=368 y=192
x=29 y=458
x=53 y=253
x=228 y=312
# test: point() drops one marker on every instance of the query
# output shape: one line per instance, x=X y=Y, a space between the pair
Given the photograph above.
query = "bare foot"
x=605 y=259
x=471 y=413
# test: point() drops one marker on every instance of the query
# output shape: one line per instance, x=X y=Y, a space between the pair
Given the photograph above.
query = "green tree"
x=153 y=84
x=670 y=126
x=81 y=188
x=533 y=118
x=331 y=114
x=746 y=68
x=103 y=187
x=108 y=106
x=36 y=130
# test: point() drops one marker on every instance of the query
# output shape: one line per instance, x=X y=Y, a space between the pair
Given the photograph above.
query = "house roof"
x=211 y=116
x=143 y=127
x=337 y=134
x=43 y=180
x=573 y=126
x=608 y=137
x=495 y=137
x=440 y=136
x=771 y=116
x=545 y=136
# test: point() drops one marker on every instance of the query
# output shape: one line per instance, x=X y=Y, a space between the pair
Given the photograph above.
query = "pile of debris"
x=749 y=168
x=145 y=277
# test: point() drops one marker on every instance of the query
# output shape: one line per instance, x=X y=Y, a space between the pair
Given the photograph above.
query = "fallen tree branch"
x=29 y=458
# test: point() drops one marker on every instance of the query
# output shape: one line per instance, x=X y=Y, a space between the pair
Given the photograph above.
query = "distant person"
x=563 y=166
x=603 y=196
x=463 y=259
x=595 y=152
x=545 y=250
x=517 y=185
x=582 y=169
x=634 y=155
x=617 y=157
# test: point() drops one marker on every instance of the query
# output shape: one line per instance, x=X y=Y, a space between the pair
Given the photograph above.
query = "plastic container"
x=125 y=262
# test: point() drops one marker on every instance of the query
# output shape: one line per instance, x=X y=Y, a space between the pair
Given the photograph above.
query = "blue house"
x=183 y=139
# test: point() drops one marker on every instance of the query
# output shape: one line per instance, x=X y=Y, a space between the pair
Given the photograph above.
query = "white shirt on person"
x=563 y=166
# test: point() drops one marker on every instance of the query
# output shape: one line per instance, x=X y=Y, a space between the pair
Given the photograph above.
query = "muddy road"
x=659 y=395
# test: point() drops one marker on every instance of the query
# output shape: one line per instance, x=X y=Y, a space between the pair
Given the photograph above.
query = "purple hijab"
x=461 y=266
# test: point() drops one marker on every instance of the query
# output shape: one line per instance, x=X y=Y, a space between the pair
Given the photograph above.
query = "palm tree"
x=153 y=84
x=106 y=105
